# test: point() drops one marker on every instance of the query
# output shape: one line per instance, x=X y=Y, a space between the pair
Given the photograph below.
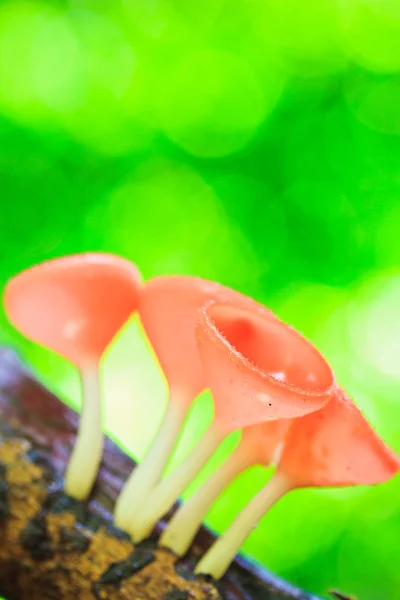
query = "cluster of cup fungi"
x=265 y=379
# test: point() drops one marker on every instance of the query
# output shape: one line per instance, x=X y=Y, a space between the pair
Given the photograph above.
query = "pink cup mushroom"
x=168 y=310
x=259 y=444
x=258 y=369
x=333 y=447
x=75 y=306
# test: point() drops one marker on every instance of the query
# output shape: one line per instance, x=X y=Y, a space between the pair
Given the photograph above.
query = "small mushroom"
x=75 y=305
x=169 y=310
x=259 y=445
x=332 y=447
x=258 y=369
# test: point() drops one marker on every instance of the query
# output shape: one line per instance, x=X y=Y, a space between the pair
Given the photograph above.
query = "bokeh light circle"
x=369 y=33
x=375 y=331
x=108 y=117
x=211 y=103
x=150 y=203
x=39 y=61
x=171 y=21
x=308 y=32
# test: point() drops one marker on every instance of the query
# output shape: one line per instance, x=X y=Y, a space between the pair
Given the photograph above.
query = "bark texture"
x=52 y=547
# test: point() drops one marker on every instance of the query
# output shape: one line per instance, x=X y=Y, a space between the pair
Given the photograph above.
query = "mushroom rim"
x=182 y=283
x=206 y=319
x=75 y=260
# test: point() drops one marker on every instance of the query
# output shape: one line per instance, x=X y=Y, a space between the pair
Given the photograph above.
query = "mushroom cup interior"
x=273 y=348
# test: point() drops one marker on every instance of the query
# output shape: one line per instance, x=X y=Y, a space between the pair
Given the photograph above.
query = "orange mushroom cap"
x=336 y=446
x=169 y=310
x=259 y=368
x=74 y=305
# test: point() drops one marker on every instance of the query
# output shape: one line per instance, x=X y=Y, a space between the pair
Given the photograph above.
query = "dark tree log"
x=52 y=547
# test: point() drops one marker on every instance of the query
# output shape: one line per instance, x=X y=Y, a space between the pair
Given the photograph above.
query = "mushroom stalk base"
x=55 y=548
x=82 y=469
x=217 y=560
x=143 y=479
x=188 y=518
x=166 y=493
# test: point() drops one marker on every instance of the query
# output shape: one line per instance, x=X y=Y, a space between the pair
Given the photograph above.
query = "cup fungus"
x=258 y=369
x=168 y=310
x=75 y=306
x=333 y=447
x=258 y=445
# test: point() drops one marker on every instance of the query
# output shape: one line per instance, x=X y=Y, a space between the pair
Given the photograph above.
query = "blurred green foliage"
x=252 y=142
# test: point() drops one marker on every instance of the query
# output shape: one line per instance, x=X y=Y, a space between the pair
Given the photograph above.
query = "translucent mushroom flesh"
x=258 y=369
x=168 y=310
x=333 y=447
x=265 y=378
x=336 y=447
x=258 y=445
x=75 y=306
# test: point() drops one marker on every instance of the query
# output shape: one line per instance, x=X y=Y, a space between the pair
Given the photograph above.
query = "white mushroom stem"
x=86 y=456
x=168 y=491
x=184 y=524
x=133 y=498
x=218 y=558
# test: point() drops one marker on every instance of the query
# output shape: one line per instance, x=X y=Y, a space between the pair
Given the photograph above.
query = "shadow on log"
x=52 y=547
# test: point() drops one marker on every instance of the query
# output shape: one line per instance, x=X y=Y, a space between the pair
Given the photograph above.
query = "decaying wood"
x=52 y=547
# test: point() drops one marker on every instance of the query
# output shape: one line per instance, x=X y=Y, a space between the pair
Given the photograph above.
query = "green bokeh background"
x=256 y=143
